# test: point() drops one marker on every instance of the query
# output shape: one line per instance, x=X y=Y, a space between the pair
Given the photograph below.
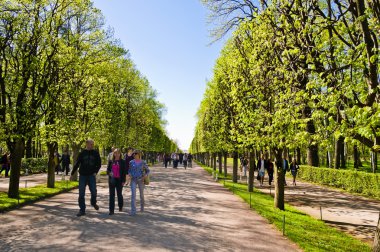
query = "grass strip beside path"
x=309 y=233
x=32 y=194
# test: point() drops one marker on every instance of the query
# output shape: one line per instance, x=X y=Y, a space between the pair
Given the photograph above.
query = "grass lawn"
x=35 y=193
x=309 y=233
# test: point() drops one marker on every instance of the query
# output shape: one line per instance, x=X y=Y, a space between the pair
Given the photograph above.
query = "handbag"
x=258 y=177
x=146 y=179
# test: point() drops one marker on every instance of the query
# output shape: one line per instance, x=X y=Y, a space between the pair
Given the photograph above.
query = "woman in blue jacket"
x=117 y=172
x=138 y=171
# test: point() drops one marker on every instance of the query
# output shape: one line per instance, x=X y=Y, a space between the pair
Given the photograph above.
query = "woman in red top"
x=117 y=173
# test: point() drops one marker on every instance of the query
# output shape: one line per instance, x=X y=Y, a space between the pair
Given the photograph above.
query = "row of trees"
x=64 y=78
x=298 y=75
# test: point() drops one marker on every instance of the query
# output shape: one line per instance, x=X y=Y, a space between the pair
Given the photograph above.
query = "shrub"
x=349 y=180
x=34 y=165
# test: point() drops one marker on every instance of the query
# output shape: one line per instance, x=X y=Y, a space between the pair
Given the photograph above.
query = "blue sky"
x=169 y=42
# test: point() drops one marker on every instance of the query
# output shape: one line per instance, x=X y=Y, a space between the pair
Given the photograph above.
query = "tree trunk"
x=76 y=149
x=356 y=157
x=52 y=147
x=220 y=162
x=338 y=152
x=312 y=150
x=298 y=155
x=17 y=149
x=28 y=149
x=279 y=178
x=235 y=168
x=214 y=161
x=225 y=164
x=251 y=171
x=343 y=155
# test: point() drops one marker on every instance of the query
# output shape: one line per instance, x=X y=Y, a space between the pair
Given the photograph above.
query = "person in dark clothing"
x=89 y=163
x=270 y=171
x=65 y=159
x=285 y=167
x=57 y=161
x=128 y=158
x=180 y=158
x=117 y=172
x=189 y=160
x=167 y=160
x=5 y=163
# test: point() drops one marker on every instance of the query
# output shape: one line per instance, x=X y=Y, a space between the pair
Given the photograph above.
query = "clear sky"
x=169 y=42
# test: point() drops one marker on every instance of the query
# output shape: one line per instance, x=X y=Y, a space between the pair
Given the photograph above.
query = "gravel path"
x=185 y=211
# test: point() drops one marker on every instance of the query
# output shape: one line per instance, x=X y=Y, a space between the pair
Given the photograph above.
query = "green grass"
x=32 y=194
x=309 y=233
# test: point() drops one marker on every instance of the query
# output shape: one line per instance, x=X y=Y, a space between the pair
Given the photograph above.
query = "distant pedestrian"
x=190 y=160
x=294 y=169
x=285 y=167
x=174 y=157
x=184 y=160
x=110 y=155
x=138 y=171
x=117 y=172
x=5 y=163
x=180 y=158
x=262 y=165
x=245 y=165
x=65 y=159
x=89 y=163
x=166 y=160
x=270 y=171
x=57 y=161
x=128 y=158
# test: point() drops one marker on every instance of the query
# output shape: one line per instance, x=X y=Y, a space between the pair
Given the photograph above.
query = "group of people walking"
x=178 y=158
x=121 y=171
x=265 y=165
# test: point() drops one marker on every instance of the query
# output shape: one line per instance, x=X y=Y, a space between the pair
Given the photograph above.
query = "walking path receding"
x=352 y=214
x=185 y=211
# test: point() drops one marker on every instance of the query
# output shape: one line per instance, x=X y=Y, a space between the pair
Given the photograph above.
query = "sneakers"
x=120 y=209
x=96 y=207
x=80 y=213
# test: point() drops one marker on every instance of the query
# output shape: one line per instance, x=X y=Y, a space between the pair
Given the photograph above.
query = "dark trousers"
x=5 y=167
x=270 y=174
x=85 y=180
x=66 y=167
x=166 y=163
x=115 y=184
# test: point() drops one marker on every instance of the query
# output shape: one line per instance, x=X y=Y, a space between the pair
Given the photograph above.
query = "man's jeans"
x=84 y=180
x=134 y=184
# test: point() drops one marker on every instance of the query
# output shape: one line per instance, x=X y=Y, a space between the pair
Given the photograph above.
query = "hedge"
x=34 y=165
x=349 y=180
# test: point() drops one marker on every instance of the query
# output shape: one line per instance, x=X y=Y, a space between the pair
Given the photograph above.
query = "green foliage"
x=352 y=181
x=34 y=165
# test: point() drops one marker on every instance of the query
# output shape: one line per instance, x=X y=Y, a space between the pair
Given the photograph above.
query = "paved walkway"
x=185 y=211
x=352 y=214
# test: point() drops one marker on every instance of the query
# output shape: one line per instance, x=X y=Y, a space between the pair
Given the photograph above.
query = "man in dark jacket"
x=89 y=163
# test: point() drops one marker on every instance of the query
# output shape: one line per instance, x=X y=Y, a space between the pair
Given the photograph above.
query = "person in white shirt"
x=262 y=165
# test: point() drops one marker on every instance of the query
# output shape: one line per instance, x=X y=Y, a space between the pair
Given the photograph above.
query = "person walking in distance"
x=117 y=172
x=65 y=159
x=89 y=163
x=110 y=155
x=294 y=169
x=189 y=160
x=262 y=165
x=5 y=163
x=138 y=171
x=166 y=160
x=128 y=158
x=285 y=167
x=270 y=171
x=184 y=160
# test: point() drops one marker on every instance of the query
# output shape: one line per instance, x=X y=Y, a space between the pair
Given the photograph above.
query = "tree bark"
x=220 y=162
x=312 y=149
x=52 y=147
x=251 y=171
x=356 y=157
x=214 y=161
x=298 y=154
x=17 y=149
x=28 y=149
x=279 y=177
x=225 y=164
x=338 y=152
x=76 y=149
x=235 y=168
